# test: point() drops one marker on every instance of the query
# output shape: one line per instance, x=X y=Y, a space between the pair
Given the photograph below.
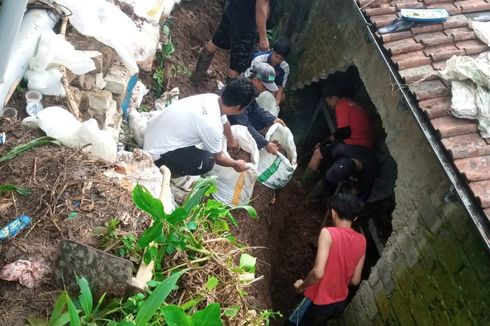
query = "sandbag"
x=275 y=171
x=463 y=99
x=236 y=188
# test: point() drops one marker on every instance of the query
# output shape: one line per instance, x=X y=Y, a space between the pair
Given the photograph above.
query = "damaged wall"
x=434 y=267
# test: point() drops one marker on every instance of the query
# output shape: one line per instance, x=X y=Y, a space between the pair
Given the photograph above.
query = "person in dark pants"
x=338 y=264
x=172 y=136
x=254 y=117
x=237 y=32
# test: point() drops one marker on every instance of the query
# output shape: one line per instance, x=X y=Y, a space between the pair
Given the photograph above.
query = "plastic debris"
x=27 y=273
x=14 y=227
x=3 y=138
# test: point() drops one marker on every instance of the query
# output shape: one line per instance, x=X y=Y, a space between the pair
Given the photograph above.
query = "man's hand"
x=297 y=285
x=271 y=148
x=280 y=121
x=240 y=166
x=264 y=44
x=233 y=145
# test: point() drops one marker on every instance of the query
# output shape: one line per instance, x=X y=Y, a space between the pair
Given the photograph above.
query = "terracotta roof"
x=424 y=49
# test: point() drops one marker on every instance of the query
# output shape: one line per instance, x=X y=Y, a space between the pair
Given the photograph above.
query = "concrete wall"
x=434 y=269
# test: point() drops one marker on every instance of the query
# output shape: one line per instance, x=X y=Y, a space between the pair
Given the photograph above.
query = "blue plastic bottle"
x=14 y=227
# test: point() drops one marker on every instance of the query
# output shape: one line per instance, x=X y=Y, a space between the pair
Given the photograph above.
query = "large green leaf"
x=175 y=316
x=209 y=316
x=74 y=318
x=247 y=263
x=19 y=190
x=156 y=298
x=144 y=200
x=85 y=297
x=250 y=210
x=202 y=188
x=177 y=216
x=150 y=234
x=58 y=308
x=19 y=149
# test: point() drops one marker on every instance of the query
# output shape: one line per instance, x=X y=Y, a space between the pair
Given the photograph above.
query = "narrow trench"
x=295 y=224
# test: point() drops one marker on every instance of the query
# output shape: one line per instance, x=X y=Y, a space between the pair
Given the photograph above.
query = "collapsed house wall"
x=434 y=267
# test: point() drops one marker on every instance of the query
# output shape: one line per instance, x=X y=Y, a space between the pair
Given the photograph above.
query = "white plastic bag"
x=138 y=122
x=234 y=188
x=47 y=82
x=275 y=171
x=463 y=103
x=482 y=30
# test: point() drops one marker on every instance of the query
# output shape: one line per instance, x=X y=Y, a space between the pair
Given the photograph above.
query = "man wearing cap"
x=348 y=153
x=255 y=117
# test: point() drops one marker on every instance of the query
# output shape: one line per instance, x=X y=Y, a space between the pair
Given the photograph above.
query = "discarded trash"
x=26 y=272
x=34 y=105
x=425 y=15
x=8 y=113
x=398 y=25
x=14 y=227
x=3 y=138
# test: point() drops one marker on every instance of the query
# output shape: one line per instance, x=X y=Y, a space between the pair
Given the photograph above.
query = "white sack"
x=60 y=124
x=463 y=100
x=47 y=82
x=275 y=171
x=482 y=30
x=109 y=25
x=151 y=10
x=234 y=188
x=138 y=122
x=54 y=49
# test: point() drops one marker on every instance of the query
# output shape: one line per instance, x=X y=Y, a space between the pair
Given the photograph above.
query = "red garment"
x=348 y=113
x=346 y=250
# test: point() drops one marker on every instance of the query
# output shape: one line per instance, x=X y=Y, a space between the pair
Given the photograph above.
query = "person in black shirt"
x=237 y=32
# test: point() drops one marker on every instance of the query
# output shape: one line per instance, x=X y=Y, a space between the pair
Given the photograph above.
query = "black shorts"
x=187 y=161
x=240 y=44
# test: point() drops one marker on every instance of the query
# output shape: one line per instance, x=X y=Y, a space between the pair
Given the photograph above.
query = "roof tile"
x=412 y=4
x=411 y=59
x=434 y=38
x=472 y=46
x=450 y=126
x=455 y=21
x=429 y=89
x=383 y=20
x=450 y=8
x=380 y=11
x=465 y=146
x=427 y=28
x=402 y=46
x=428 y=2
x=436 y=107
x=440 y=52
x=472 y=5
x=481 y=190
x=461 y=33
x=474 y=168
x=415 y=74
x=389 y=37
x=439 y=65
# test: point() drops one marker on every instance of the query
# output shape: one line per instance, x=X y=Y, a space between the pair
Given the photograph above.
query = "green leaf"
x=59 y=307
x=144 y=200
x=209 y=316
x=191 y=303
x=85 y=297
x=72 y=215
x=34 y=321
x=247 y=263
x=232 y=311
x=19 y=149
x=19 y=190
x=201 y=189
x=156 y=298
x=177 y=216
x=250 y=210
x=74 y=318
x=212 y=283
x=192 y=226
x=61 y=320
x=150 y=234
x=175 y=316
x=169 y=48
x=147 y=258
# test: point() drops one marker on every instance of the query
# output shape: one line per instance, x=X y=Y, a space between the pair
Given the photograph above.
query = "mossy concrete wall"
x=434 y=269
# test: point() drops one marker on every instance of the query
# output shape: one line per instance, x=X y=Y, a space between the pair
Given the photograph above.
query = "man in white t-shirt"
x=172 y=136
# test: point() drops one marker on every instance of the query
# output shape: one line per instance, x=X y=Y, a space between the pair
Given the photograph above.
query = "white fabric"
x=188 y=122
x=236 y=188
x=267 y=101
x=482 y=30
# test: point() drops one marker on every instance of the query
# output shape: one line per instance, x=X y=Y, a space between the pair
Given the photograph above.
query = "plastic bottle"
x=14 y=227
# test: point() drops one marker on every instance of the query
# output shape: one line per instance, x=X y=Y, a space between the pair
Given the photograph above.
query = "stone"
x=408 y=248
x=117 y=79
x=99 y=81
x=86 y=82
x=100 y=101
x=104 y=272
x=367 y=298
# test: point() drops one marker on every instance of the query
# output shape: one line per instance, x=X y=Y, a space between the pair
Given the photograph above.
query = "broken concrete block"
x=99 y=81
x=100 y=100
x=117 y=79
x=98 y=60
x=86 y=82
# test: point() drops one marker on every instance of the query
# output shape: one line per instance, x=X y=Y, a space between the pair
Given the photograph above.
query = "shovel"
x=106 y=273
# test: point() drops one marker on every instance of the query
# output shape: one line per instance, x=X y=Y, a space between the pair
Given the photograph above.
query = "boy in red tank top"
x=339 y=261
